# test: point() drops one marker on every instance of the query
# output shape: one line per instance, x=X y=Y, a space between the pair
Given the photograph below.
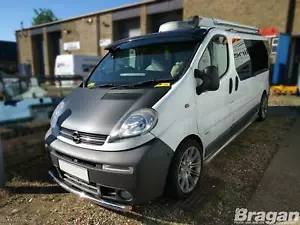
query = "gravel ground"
x=228 y=182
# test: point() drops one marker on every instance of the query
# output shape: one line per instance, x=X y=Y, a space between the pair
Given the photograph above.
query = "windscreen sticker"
x=163 y=85
x=90 y=85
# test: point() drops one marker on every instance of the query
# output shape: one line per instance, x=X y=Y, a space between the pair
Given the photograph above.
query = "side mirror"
x=210 y=79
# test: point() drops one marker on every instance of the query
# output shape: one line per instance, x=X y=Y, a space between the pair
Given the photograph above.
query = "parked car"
x=156 y=109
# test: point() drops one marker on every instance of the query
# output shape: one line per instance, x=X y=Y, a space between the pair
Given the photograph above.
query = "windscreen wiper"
x=105 y=85
x=145 y=82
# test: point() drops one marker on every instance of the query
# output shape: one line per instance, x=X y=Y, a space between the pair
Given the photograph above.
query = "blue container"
x=281 y=64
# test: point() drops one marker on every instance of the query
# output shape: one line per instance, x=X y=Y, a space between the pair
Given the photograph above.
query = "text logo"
x=243 y=216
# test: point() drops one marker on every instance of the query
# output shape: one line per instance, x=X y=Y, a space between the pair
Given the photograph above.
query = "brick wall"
x=69 y=32
x=296 y=27
x=25 y=48
x=144 y=20
x=88 y=33
x=260 y=13
x=105 y=29
x=88 y=37
x=20 y=150
x=23 y=143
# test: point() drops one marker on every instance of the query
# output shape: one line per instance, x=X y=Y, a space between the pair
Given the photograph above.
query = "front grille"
x=91 y=188
x=88 y=138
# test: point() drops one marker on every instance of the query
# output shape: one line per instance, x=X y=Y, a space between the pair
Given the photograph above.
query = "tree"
x=43 y=16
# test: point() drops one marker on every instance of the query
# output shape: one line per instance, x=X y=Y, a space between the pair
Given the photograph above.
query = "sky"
x=12 y=12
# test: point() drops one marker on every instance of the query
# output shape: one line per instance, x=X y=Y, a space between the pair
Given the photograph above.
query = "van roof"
x=184 y=34
x=188 y=34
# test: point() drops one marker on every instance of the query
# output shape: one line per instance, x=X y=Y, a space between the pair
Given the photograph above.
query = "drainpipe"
x=289 y=31
x=290 y=17
x=283 y=56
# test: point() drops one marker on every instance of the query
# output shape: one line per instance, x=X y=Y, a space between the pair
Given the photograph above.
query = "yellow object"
x=176 y=69
x=90 y=85
x=163 y=85
x=281 y=89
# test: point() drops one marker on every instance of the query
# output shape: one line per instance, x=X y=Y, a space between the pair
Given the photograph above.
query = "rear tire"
x=263 y=108
x=185 y=170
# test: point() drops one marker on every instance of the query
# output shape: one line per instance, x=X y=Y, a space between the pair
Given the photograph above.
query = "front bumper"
x=111 y=205
x=150 y=163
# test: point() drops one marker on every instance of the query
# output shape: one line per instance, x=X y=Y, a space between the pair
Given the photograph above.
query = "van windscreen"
x=138 y=63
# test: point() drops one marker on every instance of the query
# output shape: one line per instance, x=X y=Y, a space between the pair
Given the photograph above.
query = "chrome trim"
x=65 y=133
x=101 y=202
x=88 y=138
x=70 y=179
x=122 y=145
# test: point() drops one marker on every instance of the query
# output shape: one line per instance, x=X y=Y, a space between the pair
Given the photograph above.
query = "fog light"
x=125 y=195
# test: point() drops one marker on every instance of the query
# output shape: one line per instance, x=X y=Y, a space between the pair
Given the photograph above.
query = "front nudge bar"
x=101 y=202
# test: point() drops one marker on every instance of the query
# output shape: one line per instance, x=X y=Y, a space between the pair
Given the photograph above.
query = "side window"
x=251 y=57
x=259 y=56
x=242 y=59
x=215 y=54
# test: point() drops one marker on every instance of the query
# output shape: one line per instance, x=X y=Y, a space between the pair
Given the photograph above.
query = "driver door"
x=214 y=107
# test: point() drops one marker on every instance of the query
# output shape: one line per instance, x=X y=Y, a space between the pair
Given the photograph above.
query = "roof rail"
x=197 y=21
x=223 y=24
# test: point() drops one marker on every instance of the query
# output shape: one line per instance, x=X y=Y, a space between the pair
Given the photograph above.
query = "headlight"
x=57 y=112
x=136 y=123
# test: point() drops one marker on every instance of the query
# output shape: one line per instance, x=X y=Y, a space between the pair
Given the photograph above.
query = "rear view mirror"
x=210 y=79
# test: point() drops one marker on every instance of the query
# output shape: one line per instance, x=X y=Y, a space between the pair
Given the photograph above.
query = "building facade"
x=89 y=34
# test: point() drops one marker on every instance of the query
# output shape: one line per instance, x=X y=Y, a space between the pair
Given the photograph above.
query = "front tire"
x=185 y=171
x=263 y=109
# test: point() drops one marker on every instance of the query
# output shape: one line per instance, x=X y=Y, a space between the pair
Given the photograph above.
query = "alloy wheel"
x=189 y=169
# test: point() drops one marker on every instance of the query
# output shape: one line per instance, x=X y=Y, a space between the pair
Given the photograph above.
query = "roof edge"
x=89 y=14
x=8 y=41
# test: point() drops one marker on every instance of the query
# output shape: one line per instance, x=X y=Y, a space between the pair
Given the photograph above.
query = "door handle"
x=236 y=83
x=230 y=85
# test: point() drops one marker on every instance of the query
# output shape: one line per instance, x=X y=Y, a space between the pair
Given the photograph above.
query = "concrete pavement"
x=279 y=189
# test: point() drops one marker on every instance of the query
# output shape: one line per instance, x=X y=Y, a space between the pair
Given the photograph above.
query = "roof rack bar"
x=237 y=25
x=213 y=22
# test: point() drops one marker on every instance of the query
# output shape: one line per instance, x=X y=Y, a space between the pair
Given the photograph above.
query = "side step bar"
x=214 y=154
x=101 y=202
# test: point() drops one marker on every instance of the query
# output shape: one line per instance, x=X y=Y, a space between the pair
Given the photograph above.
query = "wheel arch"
x=195 y=138
x=265 y=92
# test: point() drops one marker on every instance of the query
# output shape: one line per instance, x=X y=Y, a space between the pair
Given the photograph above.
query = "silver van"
x=156 y=108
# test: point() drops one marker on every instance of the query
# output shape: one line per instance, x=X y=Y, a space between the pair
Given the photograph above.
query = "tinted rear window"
x=251 y=57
